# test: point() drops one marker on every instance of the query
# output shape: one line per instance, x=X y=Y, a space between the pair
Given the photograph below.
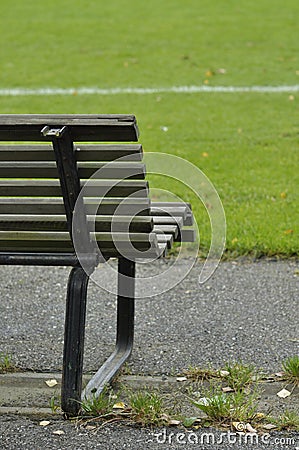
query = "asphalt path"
x=246 y=311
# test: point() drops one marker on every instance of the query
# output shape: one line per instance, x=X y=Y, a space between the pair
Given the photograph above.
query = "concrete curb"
x=28 y=394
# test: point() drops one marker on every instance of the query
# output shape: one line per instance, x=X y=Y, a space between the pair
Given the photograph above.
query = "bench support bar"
x=74 y=341
x=125 y=330
x=74 y=337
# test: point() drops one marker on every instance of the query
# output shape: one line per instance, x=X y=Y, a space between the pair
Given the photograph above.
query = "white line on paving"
x=15 y=92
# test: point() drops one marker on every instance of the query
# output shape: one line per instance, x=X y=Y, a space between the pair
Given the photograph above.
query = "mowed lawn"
x=246 y=143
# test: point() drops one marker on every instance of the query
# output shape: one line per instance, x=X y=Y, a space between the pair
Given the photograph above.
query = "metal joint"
x=56 y=132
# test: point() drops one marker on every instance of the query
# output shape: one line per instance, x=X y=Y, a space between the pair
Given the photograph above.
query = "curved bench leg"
x=74 y=341
x=125 y=330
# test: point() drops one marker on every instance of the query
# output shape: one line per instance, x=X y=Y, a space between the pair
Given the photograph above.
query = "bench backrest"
x=40 y=183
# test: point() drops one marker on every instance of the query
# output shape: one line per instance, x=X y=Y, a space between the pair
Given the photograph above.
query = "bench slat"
x=168 y=220
x=187 y=235
x=51 y=188
x=166 y=229
x=188 y=216
x=60 y=241
x=173 y=211
x=31 y=222
x=43 y=205
x=47 y=169
x=15 y=127
x=91 y=152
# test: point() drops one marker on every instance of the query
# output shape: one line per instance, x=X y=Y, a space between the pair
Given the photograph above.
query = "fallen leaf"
x=119 y=405
x=206 y=82
x=205 y=154
x=279 y=374
x=90 y=427
x=283 y=195
x=235 y=240
x=222 y=71
x=227 y=389
x=173 y=422
x=44 y=423
x=269 y=426
x=59 y=432
x=209 y=73
x=224 y=373
x=288 y=231
x=51 y=383
x=283 y=393
x=291 y=98
x=180 y=379
x=165 y=129
x=250 y=428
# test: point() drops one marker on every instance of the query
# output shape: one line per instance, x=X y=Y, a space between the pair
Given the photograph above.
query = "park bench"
x=45 y=160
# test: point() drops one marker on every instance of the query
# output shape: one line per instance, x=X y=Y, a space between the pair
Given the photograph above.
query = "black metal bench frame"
x=62 y=138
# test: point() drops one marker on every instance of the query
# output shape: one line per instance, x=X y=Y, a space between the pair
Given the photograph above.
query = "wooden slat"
x=91 y=152
x=173 y=211
x=15 y=127
x=51 y=188
x=166 y=229
x=168 y=220
x=47 y=169
x=35 y=205
x=33 y=222
x=187 y=235
x=188 y=216
x=60 y=241
x=109 y=152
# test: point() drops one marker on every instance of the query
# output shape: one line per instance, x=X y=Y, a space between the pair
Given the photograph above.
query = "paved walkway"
x=246 y=311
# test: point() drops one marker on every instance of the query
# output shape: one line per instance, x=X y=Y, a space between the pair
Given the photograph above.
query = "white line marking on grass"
x=15 y=92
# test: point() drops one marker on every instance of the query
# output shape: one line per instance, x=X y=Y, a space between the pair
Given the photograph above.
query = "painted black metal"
x=125 y=330
x=74 y=341
x=70 y=185
x=39 y=259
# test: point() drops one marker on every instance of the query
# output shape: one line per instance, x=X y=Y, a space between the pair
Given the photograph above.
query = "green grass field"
x=246 y=143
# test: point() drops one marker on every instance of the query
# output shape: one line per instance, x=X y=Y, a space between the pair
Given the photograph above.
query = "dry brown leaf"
x=181 y=379
x=44 y=423
x=51 y=383
x=249 y=428
x=224 y=373
x=59 y=432
x=119 y=405
x=227 y=389
x=173 y=422
x=284 y=393
x=269 y=426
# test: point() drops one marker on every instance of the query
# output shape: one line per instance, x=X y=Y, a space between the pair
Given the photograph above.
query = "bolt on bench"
x=40 y=184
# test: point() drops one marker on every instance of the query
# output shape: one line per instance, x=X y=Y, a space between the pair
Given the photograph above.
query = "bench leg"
x=74 y=341
x=125 y=330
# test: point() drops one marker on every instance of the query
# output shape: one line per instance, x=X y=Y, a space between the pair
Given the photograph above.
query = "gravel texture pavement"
x=246 y=311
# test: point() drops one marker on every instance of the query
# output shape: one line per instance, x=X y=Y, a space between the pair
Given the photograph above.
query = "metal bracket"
x=56 y=132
